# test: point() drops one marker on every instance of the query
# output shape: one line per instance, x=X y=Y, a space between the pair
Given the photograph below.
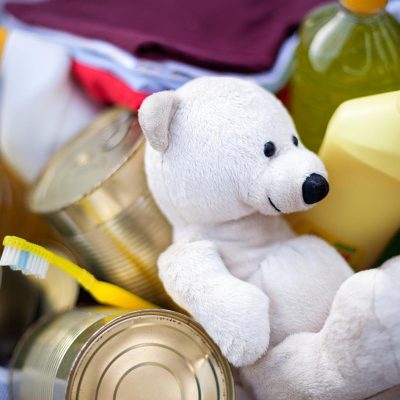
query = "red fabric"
x=284 y=95
x=106 y=88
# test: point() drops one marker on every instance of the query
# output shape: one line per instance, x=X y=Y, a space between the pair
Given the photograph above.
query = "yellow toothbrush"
x=32 y=259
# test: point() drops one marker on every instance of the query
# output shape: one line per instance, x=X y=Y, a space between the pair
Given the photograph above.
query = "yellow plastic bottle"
x=361 y=151
x=346 y=50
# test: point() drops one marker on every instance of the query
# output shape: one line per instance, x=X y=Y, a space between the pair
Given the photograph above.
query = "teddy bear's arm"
x=233 y=312
x=354 y=356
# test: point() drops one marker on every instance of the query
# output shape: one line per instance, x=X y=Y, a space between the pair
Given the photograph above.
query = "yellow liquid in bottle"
x=341 y=55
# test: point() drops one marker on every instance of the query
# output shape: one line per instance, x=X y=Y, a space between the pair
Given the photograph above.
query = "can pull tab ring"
x=114 y=135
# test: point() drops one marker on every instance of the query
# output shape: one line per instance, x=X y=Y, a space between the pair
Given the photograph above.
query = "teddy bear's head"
x=222 y=148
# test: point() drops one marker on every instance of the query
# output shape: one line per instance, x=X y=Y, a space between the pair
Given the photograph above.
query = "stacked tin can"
x=94 y=193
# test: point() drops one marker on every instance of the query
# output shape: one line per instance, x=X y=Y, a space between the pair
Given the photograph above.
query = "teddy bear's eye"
x=295 y=140
x=269 y=149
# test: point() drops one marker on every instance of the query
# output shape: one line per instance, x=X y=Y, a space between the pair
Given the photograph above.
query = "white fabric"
x=287 y=310
x=41 y=108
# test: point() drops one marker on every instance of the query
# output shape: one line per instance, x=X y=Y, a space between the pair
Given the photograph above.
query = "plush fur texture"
x=286 y=310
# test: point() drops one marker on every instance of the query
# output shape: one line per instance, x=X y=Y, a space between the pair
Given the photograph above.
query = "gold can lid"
x=150 y=355
x=87 y=161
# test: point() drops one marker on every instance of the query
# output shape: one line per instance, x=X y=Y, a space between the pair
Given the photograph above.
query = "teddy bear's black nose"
x=315 y=188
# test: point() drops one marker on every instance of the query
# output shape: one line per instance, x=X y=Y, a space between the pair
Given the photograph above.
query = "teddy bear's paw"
x=233 y=312
x=240 y=325
x=187 y=269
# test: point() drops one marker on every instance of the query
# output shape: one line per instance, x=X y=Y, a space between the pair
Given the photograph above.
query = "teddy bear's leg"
x=356 y=354
x=233 y=312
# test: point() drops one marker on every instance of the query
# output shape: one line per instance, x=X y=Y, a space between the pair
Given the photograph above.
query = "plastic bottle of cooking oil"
x=361 y=151
x=346 y=50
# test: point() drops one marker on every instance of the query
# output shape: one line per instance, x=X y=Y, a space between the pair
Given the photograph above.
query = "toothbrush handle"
x=85 y=278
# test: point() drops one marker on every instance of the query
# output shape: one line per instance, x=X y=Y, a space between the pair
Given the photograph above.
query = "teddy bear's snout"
x=315 y=188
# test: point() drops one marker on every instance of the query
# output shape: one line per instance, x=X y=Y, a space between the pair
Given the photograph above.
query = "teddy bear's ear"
x=155 y=115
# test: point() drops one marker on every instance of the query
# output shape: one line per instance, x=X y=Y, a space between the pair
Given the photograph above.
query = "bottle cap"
x=364 y=6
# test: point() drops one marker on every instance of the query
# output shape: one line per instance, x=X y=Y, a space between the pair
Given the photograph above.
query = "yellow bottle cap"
x=364 y=6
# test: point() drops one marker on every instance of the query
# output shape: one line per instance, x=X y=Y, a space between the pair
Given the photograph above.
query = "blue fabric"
x=151 y=76
x=3 y=384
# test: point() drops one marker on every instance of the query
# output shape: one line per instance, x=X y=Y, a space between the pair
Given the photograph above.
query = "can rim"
x=225 y=367
x=42 y=321
x=96 y=124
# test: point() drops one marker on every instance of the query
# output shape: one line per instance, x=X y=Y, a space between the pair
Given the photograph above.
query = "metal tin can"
x=94 y=193
x=110 y=354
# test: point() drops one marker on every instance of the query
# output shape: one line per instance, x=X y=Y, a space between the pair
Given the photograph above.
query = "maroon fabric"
x=242 y=35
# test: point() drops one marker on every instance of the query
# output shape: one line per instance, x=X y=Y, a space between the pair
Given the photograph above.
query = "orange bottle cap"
x=364 y=6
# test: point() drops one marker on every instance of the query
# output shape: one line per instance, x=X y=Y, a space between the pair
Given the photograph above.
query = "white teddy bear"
x=223 y=162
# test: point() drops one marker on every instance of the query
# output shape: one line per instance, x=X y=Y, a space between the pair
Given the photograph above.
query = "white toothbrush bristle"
x=27 y=263
x=8 y=257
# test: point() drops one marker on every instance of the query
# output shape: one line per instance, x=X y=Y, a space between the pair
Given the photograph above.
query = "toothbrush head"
x=24 y=261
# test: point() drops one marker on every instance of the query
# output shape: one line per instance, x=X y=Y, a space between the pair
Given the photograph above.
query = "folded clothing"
x=152 y=76
x=149 y=76
x=53 y=109
x=110 y=81
x=241 y=36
